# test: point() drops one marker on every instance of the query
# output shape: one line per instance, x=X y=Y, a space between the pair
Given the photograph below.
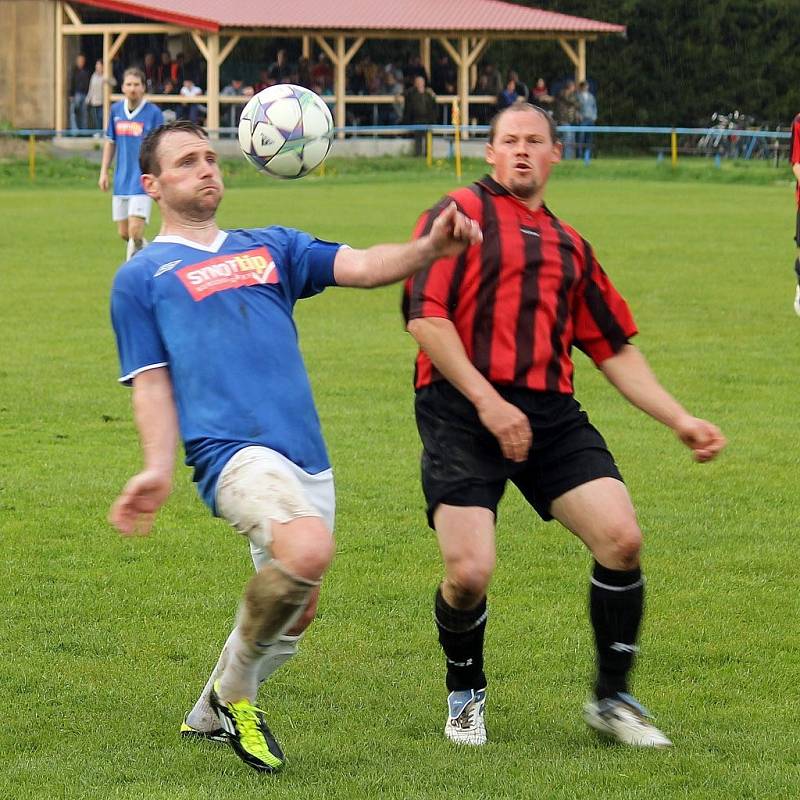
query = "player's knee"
x=624 y=545
x=304 y=545
x=469 y=579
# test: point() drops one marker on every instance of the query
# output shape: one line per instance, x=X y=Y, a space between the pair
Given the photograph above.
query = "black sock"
x=461 y=637
x=616 y=604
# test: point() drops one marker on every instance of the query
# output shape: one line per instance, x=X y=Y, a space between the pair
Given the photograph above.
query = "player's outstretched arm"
x=631 y=375
x=156 y=418
x=451 y=233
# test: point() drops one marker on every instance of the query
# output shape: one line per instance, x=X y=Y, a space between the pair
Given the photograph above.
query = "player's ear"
x=489 y=155
x=150 y=185
x=558 y=151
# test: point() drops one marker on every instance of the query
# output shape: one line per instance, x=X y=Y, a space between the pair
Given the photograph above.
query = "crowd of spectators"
x=412 y=91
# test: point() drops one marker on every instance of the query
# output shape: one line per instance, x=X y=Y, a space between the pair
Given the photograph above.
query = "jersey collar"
x=131 y=114
x=214 y=247
x=488 y=183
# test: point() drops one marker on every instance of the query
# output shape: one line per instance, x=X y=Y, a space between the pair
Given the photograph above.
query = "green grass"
x=107 y=640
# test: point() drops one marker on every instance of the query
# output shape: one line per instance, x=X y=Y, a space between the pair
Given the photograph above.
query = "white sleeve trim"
x=131 y=375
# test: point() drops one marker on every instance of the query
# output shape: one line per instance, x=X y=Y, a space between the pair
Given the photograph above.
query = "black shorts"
x=462 y=464
x=797 y=229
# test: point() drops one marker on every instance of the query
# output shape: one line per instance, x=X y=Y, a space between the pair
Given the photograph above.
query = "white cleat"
x=624 y=719
x=465 y=723
x=797 y=300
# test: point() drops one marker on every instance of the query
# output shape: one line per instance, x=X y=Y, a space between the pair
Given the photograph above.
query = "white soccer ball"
x=285 y=131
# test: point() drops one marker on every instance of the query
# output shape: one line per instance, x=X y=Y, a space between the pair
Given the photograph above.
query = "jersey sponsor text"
x=252 y=268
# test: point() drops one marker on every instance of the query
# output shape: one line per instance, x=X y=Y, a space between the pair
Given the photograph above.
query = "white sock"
x=130 y=249
x=239 y=679
x=202 y=717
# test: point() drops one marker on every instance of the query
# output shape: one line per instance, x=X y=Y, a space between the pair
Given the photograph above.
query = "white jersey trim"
x=131 y=114
x=208 y=248
x=131 y=375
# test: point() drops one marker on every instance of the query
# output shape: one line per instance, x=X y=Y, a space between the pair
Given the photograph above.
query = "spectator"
x=177 y=70
x=567 y=112
x=230 y=115
x=94 y=97
x=304 y=72
x=164 y=70
x=169 y=110
x=491 y=79
x=587 y=108
x=78 y=89
x=443 y=76
x=415 y=69
x=508 y=96
x=280 y=67
x=191 y=111
x=264 y=80
x=521 y=87
x=391 y=113
x=420 y=109
x=150 y=70
x=540 y=96
x=322 y=72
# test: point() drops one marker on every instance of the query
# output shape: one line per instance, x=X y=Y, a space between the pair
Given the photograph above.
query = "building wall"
x=27 y=63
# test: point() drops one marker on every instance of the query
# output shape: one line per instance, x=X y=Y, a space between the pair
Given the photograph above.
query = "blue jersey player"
x=129 y=122
x=204 y=327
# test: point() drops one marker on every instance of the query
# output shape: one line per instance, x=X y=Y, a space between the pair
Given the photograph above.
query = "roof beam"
x=201 y=45
x=71 y=13
x=229 y=45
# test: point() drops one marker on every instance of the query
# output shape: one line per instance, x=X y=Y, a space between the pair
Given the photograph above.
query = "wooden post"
x=339 y=84
x=61 y=84
x=212 y=90
x=463 y=83
x=306 y=46
x=425 y=55
x=581 y=60
x=456 y=117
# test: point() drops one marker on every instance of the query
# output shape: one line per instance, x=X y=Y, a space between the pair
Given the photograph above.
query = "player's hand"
x=452 y=232
x=509 y=426
x=103 y=181
x=703 y=438
x=135 y=509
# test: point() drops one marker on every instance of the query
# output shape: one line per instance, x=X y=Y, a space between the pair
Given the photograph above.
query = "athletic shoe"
x=215 y=735
x=465 y=723
x=797 y=300
x=626 y=720
x=247 y=733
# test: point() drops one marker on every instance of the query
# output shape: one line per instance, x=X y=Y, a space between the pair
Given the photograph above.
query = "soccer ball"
x=285 y=131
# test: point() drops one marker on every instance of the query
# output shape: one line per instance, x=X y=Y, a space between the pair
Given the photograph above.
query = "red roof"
x=491 y=16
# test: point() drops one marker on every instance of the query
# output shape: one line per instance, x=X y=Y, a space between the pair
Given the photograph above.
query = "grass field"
x=106 y=640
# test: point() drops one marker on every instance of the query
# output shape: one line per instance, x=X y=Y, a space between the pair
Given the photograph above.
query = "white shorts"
x=130 y=205
x=259 y=485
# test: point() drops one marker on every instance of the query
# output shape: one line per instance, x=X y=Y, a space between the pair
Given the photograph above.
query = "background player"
x=204 y=327
x=495 y=403
x=129 y=122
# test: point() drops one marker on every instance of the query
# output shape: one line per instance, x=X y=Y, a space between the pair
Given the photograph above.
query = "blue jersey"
x=127 y=130
x=220 y=318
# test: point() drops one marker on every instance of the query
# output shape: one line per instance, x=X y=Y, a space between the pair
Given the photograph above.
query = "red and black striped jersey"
x=522 y=298
x=794 y=153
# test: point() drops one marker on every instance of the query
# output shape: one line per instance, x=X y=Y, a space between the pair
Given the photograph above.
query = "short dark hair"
x=148 y=155
x=551 y=123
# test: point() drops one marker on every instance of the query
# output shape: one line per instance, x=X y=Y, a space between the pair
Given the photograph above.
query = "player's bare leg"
x=136 y=239
x=466 y=541
x=281 y=598
x=601 y=514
